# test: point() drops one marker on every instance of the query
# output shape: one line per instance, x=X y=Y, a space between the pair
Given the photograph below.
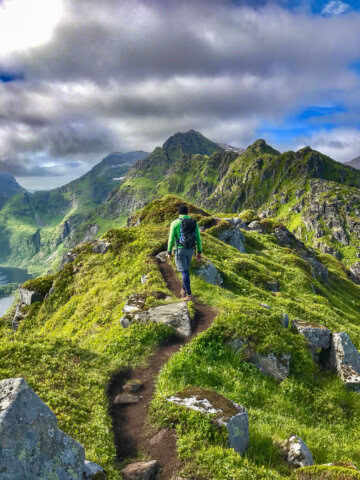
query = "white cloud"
x=341 y=144
x=25 y=24
x=335 y=7
x=122 y=75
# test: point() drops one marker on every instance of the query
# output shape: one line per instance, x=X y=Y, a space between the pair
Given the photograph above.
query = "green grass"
x=68 y=346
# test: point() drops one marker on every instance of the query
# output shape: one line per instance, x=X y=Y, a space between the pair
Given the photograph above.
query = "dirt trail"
x=128 y=421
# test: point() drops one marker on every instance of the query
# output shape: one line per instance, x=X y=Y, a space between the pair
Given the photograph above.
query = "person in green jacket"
x=184 y=236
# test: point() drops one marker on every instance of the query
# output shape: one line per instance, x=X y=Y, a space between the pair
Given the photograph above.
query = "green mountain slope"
x=8 y=187
x=36 y=228
x=315 y=196
x=176 y=164
x=68 y=346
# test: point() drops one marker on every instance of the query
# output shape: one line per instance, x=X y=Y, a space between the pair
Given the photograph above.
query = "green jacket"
x=174 y=234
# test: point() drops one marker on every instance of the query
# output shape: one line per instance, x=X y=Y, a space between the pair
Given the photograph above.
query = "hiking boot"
x=188 y=298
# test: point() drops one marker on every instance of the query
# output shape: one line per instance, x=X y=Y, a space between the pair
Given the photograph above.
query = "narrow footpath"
x=129 y=421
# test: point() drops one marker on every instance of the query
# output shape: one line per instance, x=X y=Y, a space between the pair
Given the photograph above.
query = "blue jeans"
x=186 y=281
x=183 y=260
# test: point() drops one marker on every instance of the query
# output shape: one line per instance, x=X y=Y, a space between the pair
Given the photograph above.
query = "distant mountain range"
x=36 y=227
x=355 y=163
x=314 y=196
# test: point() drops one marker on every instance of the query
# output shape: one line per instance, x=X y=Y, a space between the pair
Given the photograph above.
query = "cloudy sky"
x=82 y=78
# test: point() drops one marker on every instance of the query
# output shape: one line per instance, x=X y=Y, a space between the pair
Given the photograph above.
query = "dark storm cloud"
x=144 y=40
x=121 y=75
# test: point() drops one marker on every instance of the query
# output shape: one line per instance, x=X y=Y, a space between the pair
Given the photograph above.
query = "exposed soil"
x=129 y=421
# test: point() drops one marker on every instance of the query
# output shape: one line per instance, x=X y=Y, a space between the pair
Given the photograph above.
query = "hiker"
x=184 y=235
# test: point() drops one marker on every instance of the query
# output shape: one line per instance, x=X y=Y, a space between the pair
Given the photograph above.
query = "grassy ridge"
x=69 y=345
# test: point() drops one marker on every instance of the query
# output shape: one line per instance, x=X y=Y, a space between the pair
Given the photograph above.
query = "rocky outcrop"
x=355 y=272
x=68 y=257
x=276 y=366
x=175 y=315
x=27 y=297
x=31 y=443
x=227 y=413
x=297 y=453
x=343 y=358
x=64 y=232
x=317 y=268
x=233 y=237
x=91 y=232
x=141 y=470
x=34 y=242
x=237 y=222
x=101 y=247
x=255 y=226
x=208 y=272
x=324 y=248
x=317 y=336
x=287 y=239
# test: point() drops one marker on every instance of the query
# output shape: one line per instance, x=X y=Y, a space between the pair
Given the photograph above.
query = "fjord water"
x=11 y=275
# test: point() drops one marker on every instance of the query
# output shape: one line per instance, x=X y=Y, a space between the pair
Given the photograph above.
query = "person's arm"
x=198 y=239
x=171 y=240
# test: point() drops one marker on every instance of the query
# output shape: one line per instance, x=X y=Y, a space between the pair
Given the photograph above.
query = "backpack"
x=187 y=233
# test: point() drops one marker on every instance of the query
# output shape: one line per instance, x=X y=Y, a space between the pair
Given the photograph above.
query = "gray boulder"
x=255 y=226
x=227 y=413
x=101 y=247
x=355 y=272
x=93 y=471
x=343 y=358
x=297 y=453
x=317 y=268
x=141 y=470
x=318 y=337
x=162 y=257
x=175 y=315
x=286 y=239
x=31 y=443
x=276 y=366
x=68 y=257
x=27 y=297
x=233 y=237
x=208 y=272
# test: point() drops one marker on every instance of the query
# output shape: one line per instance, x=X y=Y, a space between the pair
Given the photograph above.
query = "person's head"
x=183 y=210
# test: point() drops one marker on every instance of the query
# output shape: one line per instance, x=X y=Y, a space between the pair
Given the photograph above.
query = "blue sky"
x=87 y=78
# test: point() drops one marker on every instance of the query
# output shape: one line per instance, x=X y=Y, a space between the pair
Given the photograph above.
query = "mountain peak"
x=190 y=142
x=260 y=146
x=8 y=187
x=355 y=162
